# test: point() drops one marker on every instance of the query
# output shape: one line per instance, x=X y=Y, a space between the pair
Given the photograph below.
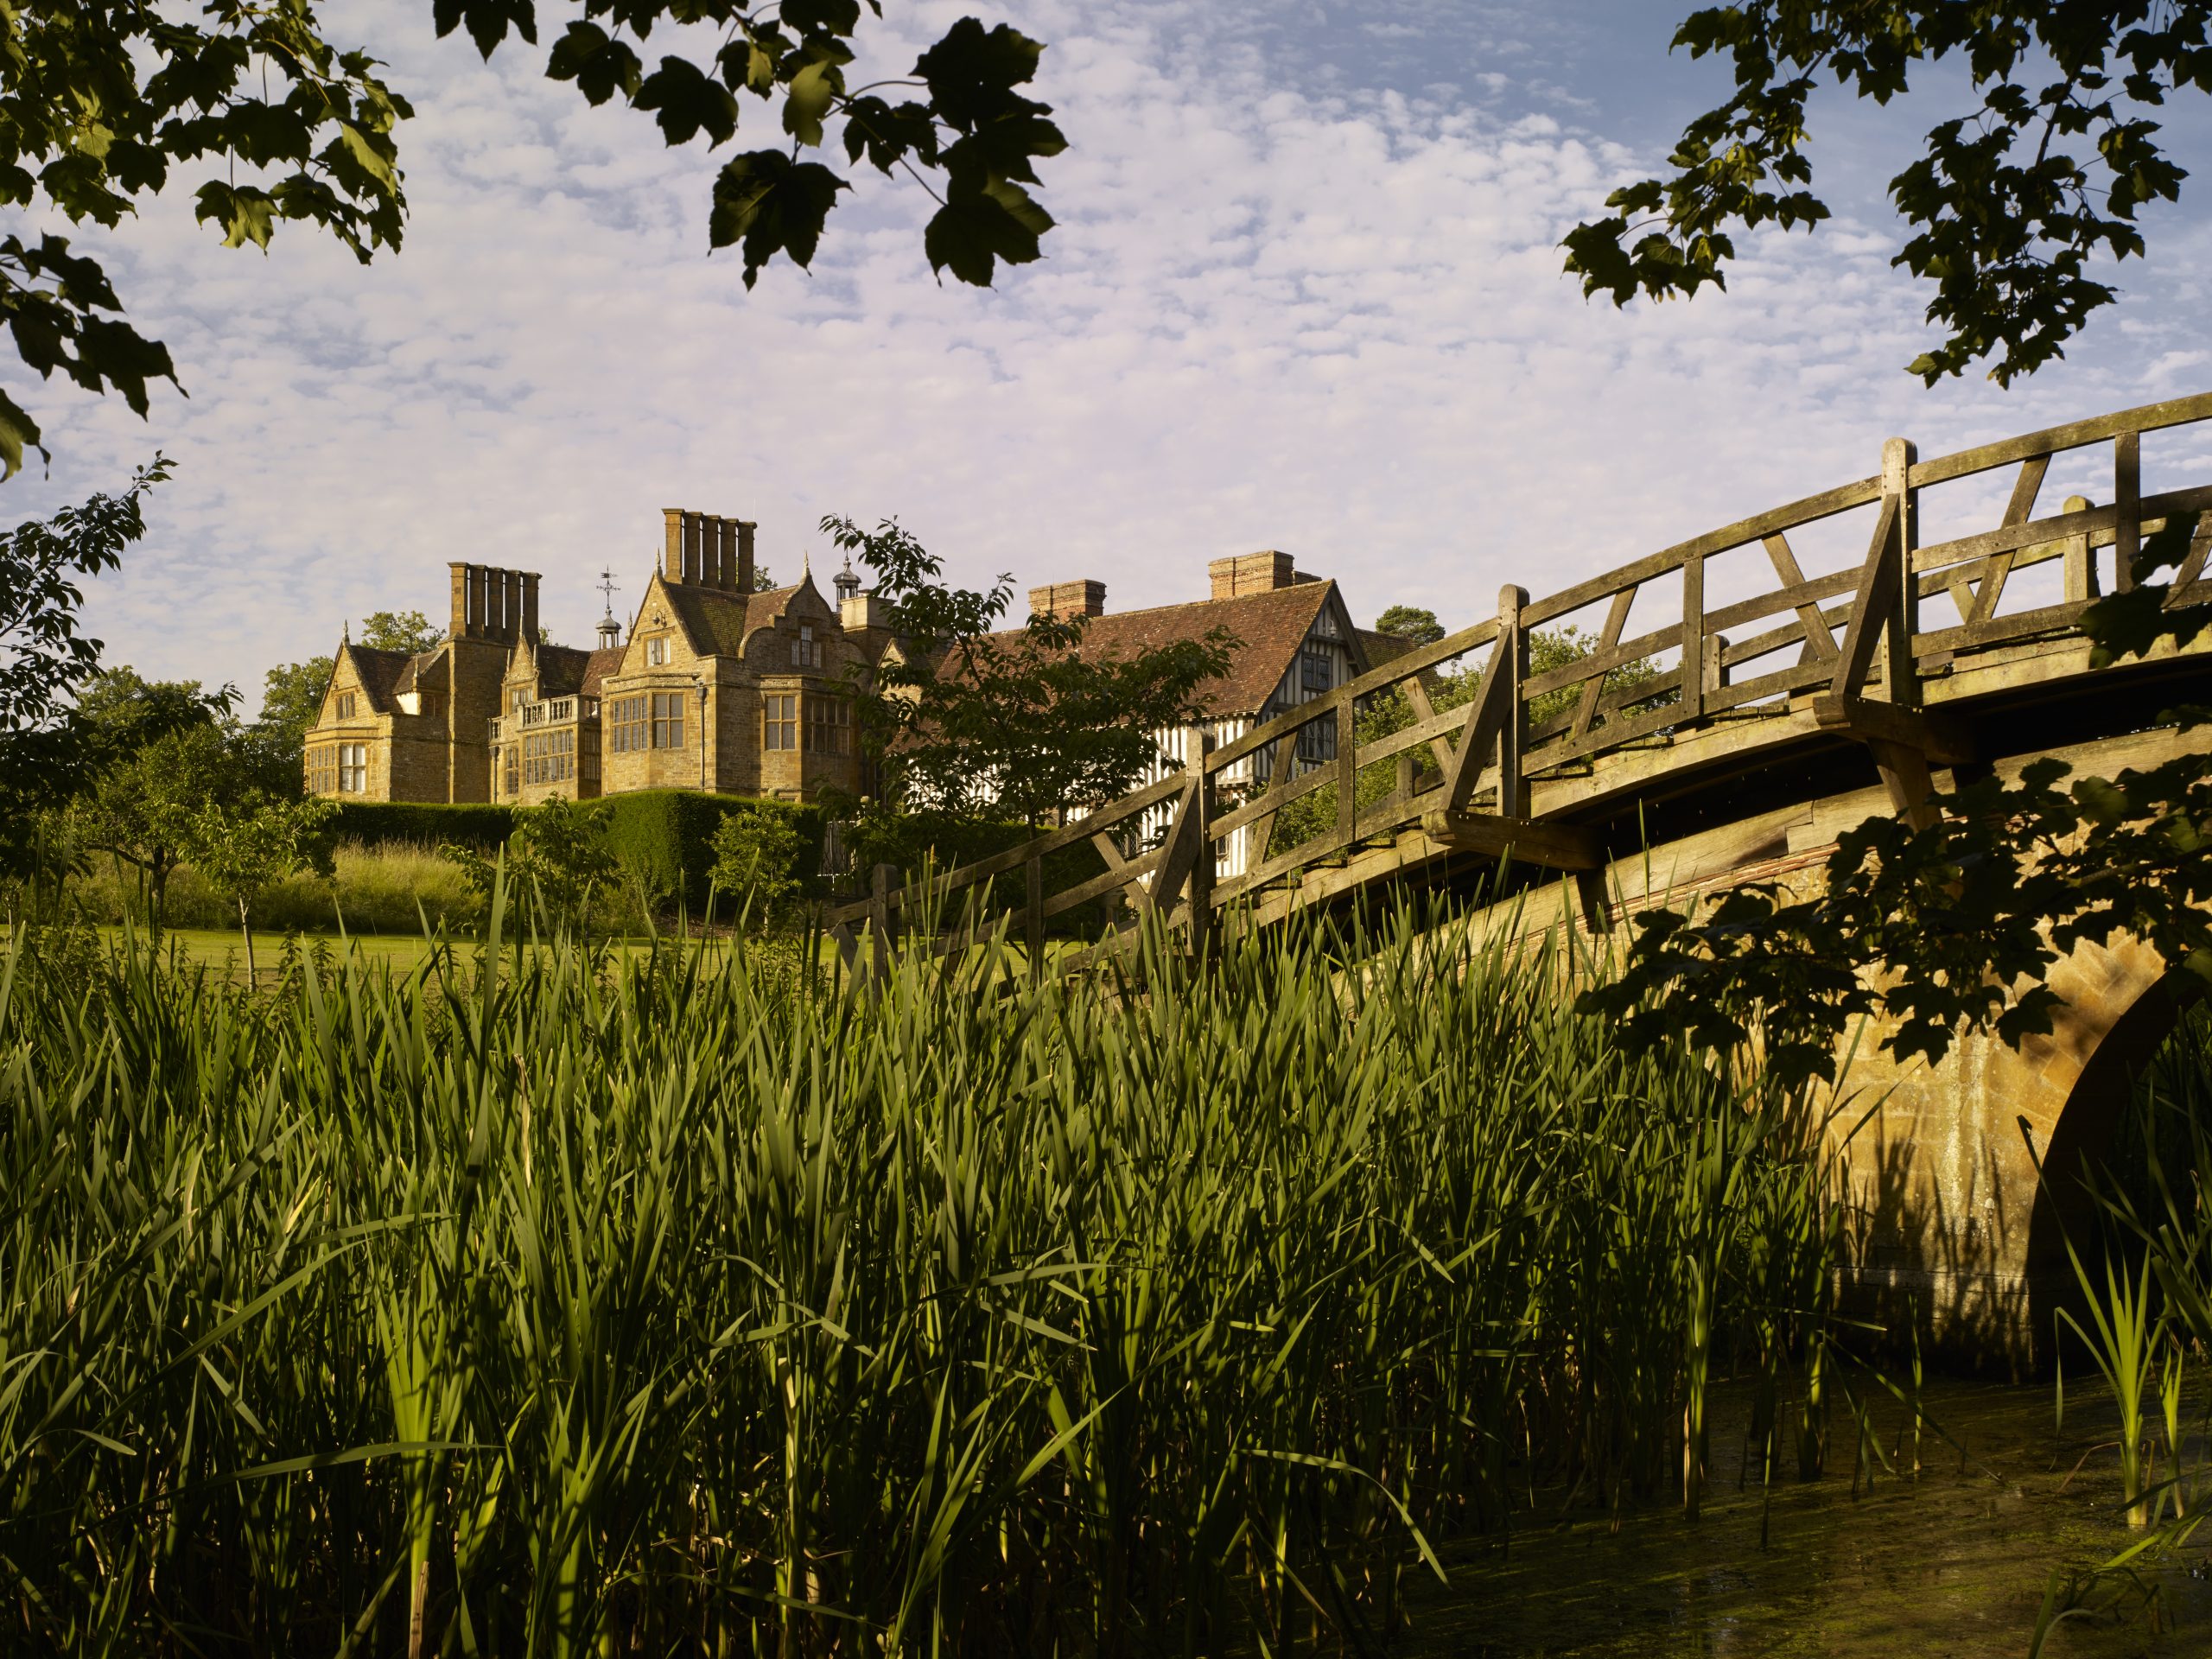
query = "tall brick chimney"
x=706 y=551
x=1062 y=599
x=1250 y=572
x=491 y=604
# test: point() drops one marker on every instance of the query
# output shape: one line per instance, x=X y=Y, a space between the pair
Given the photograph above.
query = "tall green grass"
x=669 y=1305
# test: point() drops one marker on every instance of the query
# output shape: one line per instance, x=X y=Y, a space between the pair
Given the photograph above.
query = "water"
x=1953 y=1566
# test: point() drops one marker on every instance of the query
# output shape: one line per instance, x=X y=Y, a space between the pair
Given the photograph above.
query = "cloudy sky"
x=1305 y=294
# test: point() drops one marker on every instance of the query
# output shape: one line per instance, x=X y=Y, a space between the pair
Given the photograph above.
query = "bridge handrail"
x=1157 y=841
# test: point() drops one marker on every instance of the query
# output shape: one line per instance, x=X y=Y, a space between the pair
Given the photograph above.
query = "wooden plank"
x=1180 y=850
x=1425 y=711
x=1870 y=610
x=2192 y=564
x=1811 y=509
x=1549 y=845
x=1391 y=673
x=1586 y=708
x=1694 y=636
x=1479 y=726
x=1129 y=875
x=2101 y=523
x=2127 y=508
x=1798 y=677
x=1513 y=724
x=1347 y=768
x=1108 y=851
x=1998 y=568
x=1819 y=642
x=2021 y=625
x=2147 y=417
x=1942 y=738
x=1295 y=784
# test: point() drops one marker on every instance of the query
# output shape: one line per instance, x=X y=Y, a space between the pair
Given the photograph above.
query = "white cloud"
x=1303 y=312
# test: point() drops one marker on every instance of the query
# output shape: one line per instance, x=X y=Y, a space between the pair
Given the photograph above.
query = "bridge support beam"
x=1906 y=744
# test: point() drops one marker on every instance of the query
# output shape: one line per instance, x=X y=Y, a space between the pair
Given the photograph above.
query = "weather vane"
x=609 y=586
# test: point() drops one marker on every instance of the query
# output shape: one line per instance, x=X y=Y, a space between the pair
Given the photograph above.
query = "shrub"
x=757 y=855
x=375 y=889
x=423 y=823
x=664 y=839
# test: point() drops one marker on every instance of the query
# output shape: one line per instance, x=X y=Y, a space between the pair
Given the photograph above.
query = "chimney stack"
x=491 y=604
x=707 y=551
x=1250 y=572
x=1062 y=599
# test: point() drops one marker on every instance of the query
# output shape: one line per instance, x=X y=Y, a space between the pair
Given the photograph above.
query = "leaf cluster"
x=958 y=122
x=2011 y=202
x=971 y=719
x=98 y=103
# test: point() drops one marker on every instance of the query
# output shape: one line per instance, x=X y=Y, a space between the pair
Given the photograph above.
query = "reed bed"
x=684 y=1303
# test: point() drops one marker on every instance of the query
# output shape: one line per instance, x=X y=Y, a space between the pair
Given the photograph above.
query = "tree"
x=143 y=809
x=2010 y=201
x=1411 y=622
x=243 y=848
x=972 y=721
x=757 y=851
x=407 y=630
x=99 y=104
x=46 y=659
x=558 y=853
x=291 y=702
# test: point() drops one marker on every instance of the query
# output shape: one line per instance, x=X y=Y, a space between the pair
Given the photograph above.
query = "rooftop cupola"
x=846 y=583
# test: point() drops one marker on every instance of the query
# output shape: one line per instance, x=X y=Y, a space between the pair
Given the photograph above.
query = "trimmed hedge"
x=663 y=837
x=378 y=824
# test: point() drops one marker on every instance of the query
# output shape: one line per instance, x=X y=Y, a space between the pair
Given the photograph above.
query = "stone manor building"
x=717 y=686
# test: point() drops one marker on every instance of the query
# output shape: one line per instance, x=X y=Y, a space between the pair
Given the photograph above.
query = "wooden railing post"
x=2080 y=567
x=1513 y=732
x=879 y=882
x=1900 y=678
x=1694 y=683
x=1347 y=768
x=1032 y=915
x=1202 y=866
x=2127 y=504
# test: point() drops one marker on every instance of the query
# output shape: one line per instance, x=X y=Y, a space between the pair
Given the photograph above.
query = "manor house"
x=718 y=686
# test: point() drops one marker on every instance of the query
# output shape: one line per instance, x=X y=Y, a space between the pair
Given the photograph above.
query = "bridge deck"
x=1796 y=687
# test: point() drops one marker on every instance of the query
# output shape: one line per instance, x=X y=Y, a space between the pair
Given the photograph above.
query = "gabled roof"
x=598 y=665
x=718 y=622
x=560 y=671
x=384 y=674
x=1269 y=626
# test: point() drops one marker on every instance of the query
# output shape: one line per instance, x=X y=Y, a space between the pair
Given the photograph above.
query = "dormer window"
x=344 y=705
x=657 y=652
x=806 y=650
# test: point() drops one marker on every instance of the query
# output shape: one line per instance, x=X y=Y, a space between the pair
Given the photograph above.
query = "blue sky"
x=1305 y=294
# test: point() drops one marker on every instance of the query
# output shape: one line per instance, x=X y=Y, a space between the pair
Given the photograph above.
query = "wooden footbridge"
x=1782 y=676
x=1817 y=663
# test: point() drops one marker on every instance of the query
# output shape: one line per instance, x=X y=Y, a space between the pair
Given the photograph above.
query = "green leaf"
x=971 y=75
x=773 y=205
x=688 y=102
x=971 y=231
x=812 y=92
x=246 y=215
x=16 y=430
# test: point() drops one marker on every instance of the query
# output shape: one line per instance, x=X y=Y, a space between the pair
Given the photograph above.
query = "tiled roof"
x=560 y=671
x=718 y=621
x=598 y=665
x=1269 y=626
x=382 y=674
